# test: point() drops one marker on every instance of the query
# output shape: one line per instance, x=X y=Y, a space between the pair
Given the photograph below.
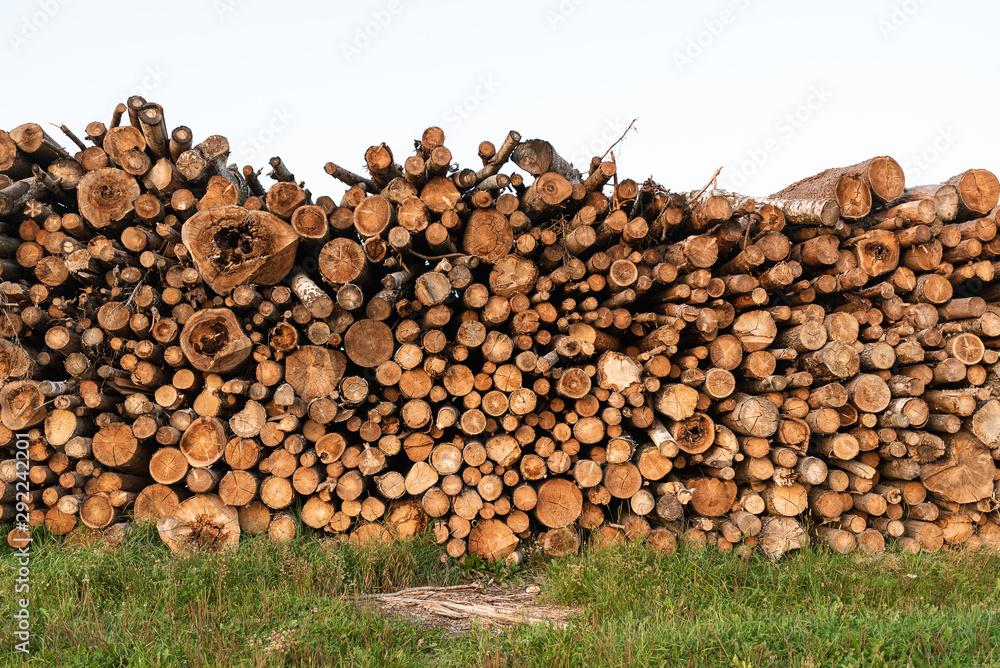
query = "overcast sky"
x=771 y=90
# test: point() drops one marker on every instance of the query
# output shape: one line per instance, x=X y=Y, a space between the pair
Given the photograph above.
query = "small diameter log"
x=319 y=304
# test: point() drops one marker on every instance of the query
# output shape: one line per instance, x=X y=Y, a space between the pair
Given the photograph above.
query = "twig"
x=435 y=257
x=414 y=590
x=700 y=192
x=620 y=138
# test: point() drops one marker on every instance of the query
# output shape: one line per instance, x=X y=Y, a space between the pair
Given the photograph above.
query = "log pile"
x=515 y=350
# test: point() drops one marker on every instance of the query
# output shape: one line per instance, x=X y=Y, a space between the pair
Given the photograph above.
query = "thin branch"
x=702 y=191
x=620 y=138
x=435 y=257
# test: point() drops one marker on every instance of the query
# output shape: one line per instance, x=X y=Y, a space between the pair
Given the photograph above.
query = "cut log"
x=203 y=523
x=314 y=372
x=105 y=197
x=213 y=341
x=559 y=503
x=231 y=245
x=978 y=190
x=965 y=474
x=778 y=535
x=492 y=539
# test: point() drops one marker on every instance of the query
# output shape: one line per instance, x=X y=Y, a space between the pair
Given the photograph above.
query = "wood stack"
x=497 y=352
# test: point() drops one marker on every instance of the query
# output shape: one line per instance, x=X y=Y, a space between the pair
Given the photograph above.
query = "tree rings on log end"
x=231 y=245
x=213 y=341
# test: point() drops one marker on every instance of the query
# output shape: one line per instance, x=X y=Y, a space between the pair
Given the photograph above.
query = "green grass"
x=293 y=604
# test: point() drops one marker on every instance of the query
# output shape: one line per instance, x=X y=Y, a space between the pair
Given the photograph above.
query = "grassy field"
x=297 y=604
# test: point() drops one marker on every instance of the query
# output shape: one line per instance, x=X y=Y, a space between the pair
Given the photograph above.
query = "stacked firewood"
x=510 y=351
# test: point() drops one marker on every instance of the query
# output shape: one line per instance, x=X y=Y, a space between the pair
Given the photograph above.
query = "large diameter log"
x=928 y=534
x=678 y=402
x=883 y=175
x=13 y=162
x=869 y=393
x=622 y=481
x=978 y=191
x=560 y=542
x=781 y=534
x=877 y=252
x=965 y=474
x=492 y=539
x=213 y=341
x=432 y=288
x=512 y=275
x=21 y=405
x=755 y=330
x=202 y=522
x=97 y=512
x=619 y=372
x=786 y=500
x=406 y=518
x=116 y=446
x=488 y=235
x=805 y=211
x=372 y=216
x=106 y=196
x=712 y=497
x=369 y=343
x=695 y=434
x=204 y=441
x=752 y=416
x=545 y=194
x=846 y=185
x=537 y=156
x=168 y=466
x=315 y=371
x=559 y=503
x=986 y=423
x=504 y=450
x=573 y=384
x=154 y=502
x=231 y=245
x=834 y=360
x=343 y=261
x=15 y=362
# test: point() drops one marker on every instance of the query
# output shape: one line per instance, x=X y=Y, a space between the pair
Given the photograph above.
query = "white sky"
x=773 y=90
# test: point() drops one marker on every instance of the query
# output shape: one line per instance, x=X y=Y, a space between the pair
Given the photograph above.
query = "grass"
x=292 y=604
